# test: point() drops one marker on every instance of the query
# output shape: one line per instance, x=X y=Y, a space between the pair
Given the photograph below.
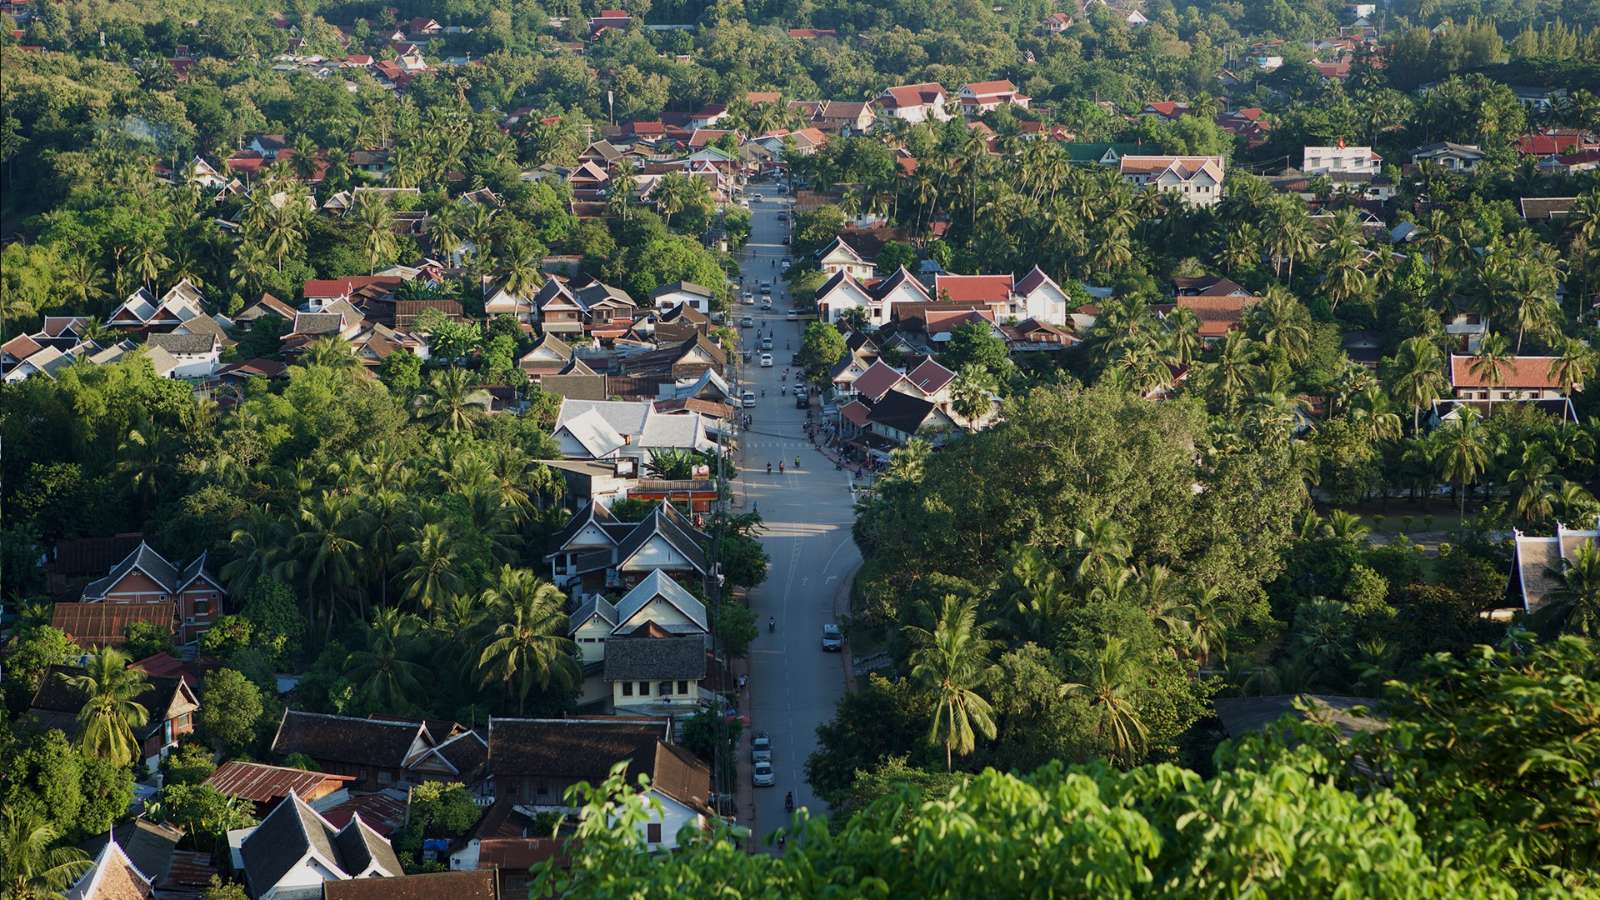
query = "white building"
x=1339 y=158
x=915 y=102
x=1196 y=180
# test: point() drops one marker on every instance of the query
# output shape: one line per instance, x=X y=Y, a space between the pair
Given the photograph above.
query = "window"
x=652 y=832
x=683 y=687
x=627 y=689
x=664 y=689
x=202 y=605
x=644 y=688
x=541 y=787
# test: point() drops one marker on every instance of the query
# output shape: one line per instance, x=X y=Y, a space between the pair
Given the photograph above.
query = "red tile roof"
x=1217 y=315
x=967 y=288
x=332 y=288
x=906 y=95
x=991 y=88
x=1519 y=373
x=1547 y=144
x=877 y=380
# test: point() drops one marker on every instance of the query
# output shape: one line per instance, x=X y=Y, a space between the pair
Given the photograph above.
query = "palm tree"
x=451 y=402
x=1288 y=232
x=530 y=646
x=29 y=866
x=1281 y=324
x=523 y=276
x=331 y=352
x=323 y=548
x=257 y=542
x=444 y=232
x=147 y=258
x=431 y=566
x=1208 y=625
x=82 y=281
x=1575 y=603
x=111 y=709
x=619 y=191
x=1417 y=376
x=1532 y=484
x=1229 y=376
x=1103 y=548
x=141 y=463
x=1111 y=687
x=971 y=394
x=1490 y=363
x=1463 y=453
x=1345 y=273
x=375 y=222
x=949 y=661
x=1571 y=364
x=388 y=680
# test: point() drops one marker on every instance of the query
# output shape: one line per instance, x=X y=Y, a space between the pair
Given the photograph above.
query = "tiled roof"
x=1217 y=315
x=481 y=884
x=655 y=658
x=907 y=95
x=930 y=377
x=877 y=380
x=967 y=288
x=901 y=412
x=573 y=748
x=1518 y=373
x=855 y=412
x=987 y=88
x=346 y=739
x=658 y=583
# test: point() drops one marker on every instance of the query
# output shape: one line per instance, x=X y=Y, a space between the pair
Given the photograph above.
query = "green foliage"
x=204 y=814
x=232 y=710
x=274 y=616
x=190 y=763
x=735 y=626
x=821 y=348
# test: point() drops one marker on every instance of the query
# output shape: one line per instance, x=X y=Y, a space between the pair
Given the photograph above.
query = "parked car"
x=748 y=398
x=761 y=775
x=766 y=360
x=761 y=748
x=832 y=638
x=786 y=265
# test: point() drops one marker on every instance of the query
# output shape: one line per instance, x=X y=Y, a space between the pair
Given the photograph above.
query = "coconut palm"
x=1416 y=377
x=451 y=401
x=1571 y=364
x=619 y=191
x=1280 y=323
x=324 y=550
x=1345 y=271
x=111 y=709
x=1491 y=362
x=1463 y=453
x=385 y=675
x=142 y=459
x=330 y=352
x=523 y=276
x=1208 y=625
x=375 y=226
x=431 y=560
x=29 y=866
x=1231 y=374
x=529 y=645
x=949 y=662
x=1102 y=547
x=444 y=232
x=257 y=543
x=1574 y=605
x=1533 y=485
x=1111 y=687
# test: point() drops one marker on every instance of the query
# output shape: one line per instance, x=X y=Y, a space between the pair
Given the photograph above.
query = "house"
x=606 y=429
x=1536 y=563
x=657 y=600
x=112 y=876
x=535 y=761
x=1340 y=158
x=197 y=355
x=994 y=291
x=1105 y=154
x=550 y=355
x=1449 y=156
x=596 y=550
x=294 y=851
x=650 y=669
x=681 y=323
x=482 y=884
x=1056 y=23
x=377 y=752
x=1036 y=296
x=931 y=380
x=878 y=380
x=979 y=97
x=1521 y=378
x=1171 y=110
x=915 y=102
x=844 y=117
x=267 y=306
x=1196 y=180
x=152 y=849
x=265 y=786
x=840 y=256
x=141 y=312
x=422 y=27
x=1541 y=209
x=169 y=700
x=878 y=299
x=145 y=577
x=1033 y=336
x=1218 y=315
x=682 y=293
x=898 y=417
x=502 y=302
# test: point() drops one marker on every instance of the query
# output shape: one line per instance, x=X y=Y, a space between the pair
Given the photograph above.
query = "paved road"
x=794 y=685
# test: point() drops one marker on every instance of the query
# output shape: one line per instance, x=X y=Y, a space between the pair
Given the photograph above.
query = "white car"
x=749 y=298
x=761 y=775
x=766 y=343
x=761 y=748
x=746 y=322
x=766 y=360
x=748 y=398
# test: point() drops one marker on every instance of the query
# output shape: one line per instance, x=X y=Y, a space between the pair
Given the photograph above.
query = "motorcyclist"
x=797 y=462
x=769 y=468
x=788 y=801
x=772 y=624
x=780 y=467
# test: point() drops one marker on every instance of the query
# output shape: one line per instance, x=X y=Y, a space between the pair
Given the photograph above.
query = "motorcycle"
x=772 y=624
x=788 y=802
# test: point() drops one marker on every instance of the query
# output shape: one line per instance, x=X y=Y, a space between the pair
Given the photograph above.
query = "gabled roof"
x=477 y=884
x=1518 y=373
x=1185 y=168
x=591 y=512
x=668 y=524
x=989 y=88
x=686 y=287
x=113 y=876
x=930 y=377
x=907 y=95
x=660 y=584
x=136 y=309
x=1448 y=148
x=143 y=559
x=877 y=380
x=292 y=831
x=1217 y=315
x=184 y=344
x=1538 y=561
x=841 y=246
x=591 y=430
x=162 y=697
x=901 y=411
x=884 y=286
x=151 y=847
x=1035 y=279
x=594 y=605
x=348 y=739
